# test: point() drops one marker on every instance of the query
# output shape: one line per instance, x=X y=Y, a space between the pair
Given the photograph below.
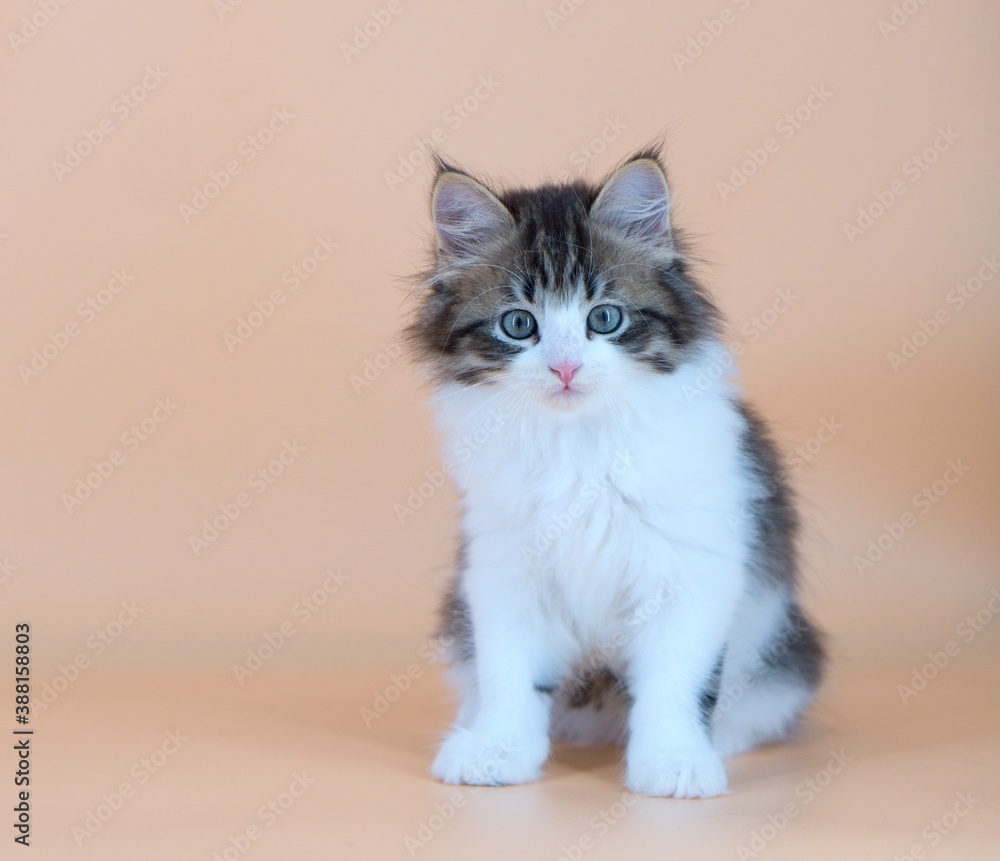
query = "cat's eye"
x=518 y=324
x=604 y=319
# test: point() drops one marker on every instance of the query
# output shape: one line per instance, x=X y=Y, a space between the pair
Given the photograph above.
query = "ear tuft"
x=635 y=200
x=467 y=215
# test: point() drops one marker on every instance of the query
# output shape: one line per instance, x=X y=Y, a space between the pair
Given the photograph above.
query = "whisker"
x=441 y=397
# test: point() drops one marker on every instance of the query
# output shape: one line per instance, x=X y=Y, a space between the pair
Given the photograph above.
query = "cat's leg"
x=671 y=660
x=506 y=737
x=462 y=676
x=455 y=632
x=773 y=669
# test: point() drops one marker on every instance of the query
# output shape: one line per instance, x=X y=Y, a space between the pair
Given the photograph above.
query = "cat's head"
x=563 y=292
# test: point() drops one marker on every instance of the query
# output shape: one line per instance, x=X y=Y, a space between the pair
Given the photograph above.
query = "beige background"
x=546 y=93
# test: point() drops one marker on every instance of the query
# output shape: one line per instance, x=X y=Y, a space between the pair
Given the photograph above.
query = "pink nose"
x=565 y=371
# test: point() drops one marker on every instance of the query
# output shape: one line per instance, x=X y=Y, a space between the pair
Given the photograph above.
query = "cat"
x=627 y=570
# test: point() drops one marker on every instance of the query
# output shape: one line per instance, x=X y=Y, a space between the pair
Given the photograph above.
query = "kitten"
x=627 y=571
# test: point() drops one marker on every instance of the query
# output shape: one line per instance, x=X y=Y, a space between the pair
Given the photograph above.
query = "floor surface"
x=297 y=767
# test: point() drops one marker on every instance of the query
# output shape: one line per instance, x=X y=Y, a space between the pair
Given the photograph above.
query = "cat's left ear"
x=635 y=200
x=467 y=215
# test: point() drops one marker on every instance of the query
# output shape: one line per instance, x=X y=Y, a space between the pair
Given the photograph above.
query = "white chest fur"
x=597 y=512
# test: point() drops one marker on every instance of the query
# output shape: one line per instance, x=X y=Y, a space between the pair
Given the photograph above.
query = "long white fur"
x=609 y=520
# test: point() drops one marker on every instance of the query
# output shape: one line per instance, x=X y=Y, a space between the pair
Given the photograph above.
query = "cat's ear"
x=635 y=200
x=467 y=215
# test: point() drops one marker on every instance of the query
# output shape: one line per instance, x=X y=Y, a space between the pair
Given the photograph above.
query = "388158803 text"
x=22 y=736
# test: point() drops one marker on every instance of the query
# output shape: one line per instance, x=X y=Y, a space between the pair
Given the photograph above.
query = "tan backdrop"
x=209 y=211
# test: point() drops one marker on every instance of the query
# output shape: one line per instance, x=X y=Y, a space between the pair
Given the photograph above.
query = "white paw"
x=480 y=760
x=676 y=773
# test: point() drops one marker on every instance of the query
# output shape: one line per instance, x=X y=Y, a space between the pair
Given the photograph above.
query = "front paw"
x=483 y=760
x=675 y=773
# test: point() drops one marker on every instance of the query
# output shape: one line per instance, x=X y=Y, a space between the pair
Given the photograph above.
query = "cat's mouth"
x=567 y=395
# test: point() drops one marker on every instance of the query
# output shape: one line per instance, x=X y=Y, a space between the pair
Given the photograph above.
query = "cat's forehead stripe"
x=555 y=238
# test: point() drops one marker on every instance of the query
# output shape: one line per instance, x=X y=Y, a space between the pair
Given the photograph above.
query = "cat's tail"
x=768 y=679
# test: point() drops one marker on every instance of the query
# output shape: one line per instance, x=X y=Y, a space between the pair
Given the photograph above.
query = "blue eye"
x=604 y=319
x=518 y=324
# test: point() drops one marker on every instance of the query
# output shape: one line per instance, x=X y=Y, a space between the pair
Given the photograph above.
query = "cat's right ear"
x=635 y=199
x=467 y=215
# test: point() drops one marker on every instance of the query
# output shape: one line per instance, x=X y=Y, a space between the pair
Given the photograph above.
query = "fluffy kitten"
x=627 y=570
